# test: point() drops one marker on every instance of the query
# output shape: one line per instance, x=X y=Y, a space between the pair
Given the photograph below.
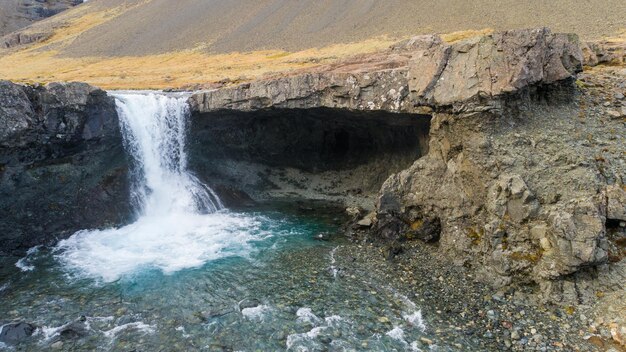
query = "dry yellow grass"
x=40 y=63
x=171 y=70
x=461 y=35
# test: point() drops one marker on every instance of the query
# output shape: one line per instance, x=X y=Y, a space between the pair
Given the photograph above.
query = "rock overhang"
x=416 y=75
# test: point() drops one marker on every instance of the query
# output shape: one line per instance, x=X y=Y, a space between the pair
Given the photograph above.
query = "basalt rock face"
x=62 y=163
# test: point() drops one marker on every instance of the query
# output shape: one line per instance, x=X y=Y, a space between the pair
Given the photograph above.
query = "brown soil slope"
x=17 y=14
x=157 y=44
x=160 y=26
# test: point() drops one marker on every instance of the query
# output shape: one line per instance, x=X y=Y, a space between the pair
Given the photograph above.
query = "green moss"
x=475 y=235
x=580 y=84
x=532 y=257
x=417 y=224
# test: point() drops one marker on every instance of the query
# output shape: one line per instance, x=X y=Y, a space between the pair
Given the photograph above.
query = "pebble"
x=614 y=114
x=515 y=335
x=57 y=345
x=426 y=340
x=619 y=96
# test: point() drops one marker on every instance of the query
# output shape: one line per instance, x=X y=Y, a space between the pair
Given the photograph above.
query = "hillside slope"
x=159 y=26
x=17 y=14
x=143 y=44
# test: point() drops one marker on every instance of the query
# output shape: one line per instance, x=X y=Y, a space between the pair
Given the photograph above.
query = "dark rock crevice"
x=309 y=153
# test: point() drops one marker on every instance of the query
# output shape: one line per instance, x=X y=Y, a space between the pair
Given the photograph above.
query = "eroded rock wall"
x=532 y=192
x=62 y=163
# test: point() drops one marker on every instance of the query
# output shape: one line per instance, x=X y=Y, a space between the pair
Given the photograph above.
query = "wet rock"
x=16 y=333
x=614 y=114
x=391 y=250
x=354 y=212
x=61 y=143
x=74 y=331
x=232 y=197
x=57 y=345
x=249 y=303
x=389 y=227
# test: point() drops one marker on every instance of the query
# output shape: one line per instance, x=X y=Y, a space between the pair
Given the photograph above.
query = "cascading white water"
x=154 y=131
x=178 y=224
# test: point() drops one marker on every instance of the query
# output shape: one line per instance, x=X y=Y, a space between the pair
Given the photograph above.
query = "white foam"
x=139 y=326
x=414 y=347
x=256 y=313
x=169 y=244
x=294 y=339
x=396 y=333
x=24 y=264
x=183 y=332
x=306 y=315
x=178 y=225
x=50 y=332
x=415 y=319
x=333 y=320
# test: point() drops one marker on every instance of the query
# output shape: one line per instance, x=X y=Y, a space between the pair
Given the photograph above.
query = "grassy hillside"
x=162 y=43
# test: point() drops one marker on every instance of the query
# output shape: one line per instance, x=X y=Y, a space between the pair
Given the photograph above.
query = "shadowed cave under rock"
x=317 y=154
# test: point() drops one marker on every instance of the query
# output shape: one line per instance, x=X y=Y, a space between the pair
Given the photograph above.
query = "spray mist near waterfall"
x=180 y=222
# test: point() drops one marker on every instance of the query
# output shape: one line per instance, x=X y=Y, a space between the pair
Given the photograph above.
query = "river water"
x=189 y=274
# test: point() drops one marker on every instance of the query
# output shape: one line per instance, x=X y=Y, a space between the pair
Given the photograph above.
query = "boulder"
x=15 y=333
x=616 y=202
x=488 y=66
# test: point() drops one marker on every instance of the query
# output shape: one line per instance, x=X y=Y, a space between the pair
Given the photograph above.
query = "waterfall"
x=178 y=224
x=154 y=127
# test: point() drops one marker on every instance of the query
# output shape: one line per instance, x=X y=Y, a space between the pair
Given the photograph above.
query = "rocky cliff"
x=524 y=175
x=495 y=149
x=62 y=164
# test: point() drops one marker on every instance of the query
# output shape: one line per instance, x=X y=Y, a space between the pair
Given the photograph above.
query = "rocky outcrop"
x=604 y=52
x=532 y=192
x=522 y=180
x=62 y=164
x=470 y=75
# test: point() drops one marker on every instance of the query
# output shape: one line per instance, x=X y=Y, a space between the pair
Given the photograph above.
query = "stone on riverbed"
x=15 y=333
